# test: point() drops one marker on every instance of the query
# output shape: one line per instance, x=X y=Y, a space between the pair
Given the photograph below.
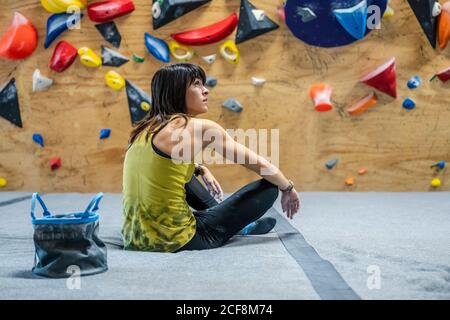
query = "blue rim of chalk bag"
x=89 y=215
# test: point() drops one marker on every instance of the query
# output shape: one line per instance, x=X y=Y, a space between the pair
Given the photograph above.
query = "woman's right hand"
x=290 y=203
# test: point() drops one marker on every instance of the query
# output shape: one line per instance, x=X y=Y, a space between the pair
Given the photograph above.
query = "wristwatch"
x=289 y=188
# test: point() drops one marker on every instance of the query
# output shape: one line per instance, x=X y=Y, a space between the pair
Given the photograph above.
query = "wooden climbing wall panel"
x=395 y=145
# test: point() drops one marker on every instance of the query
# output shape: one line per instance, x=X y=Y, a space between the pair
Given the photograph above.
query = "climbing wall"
x=396 y=146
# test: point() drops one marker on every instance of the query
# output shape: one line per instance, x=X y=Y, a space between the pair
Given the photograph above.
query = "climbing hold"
x=210 y=59
x=423 y=11
x=320 y=25
x=230 y=52
x=20 y=40
x=55 y=163
x=350 y=181
x=414 y=82
x=258 y=82
x=138 y=58
x=233 y=105
x=9 y=103
x=114 y=80
x=444 y=26
x=252 y=22
x=409 y=104
x=3 y=182
x=175 y=47
x=439 y=165
x=443 y=75
x=137 y=99
x=389 y=11
x=145 y=106
x=363 y=104
x=57 y=24
x=40 y=82
x=89 y=58
x=37 y=137
x=59 y=6
x=436 y=182
x=105 y=133
x=63 y=56
x=110 y=33
x=105 y=11
x=306 y=13
x=362 y=171
x=437 y=9
x=331 y=163
x=211 y=82
x=282 y=14
x=321 y=94
x=208 y=34
x=112 y=58
x=164 y=12
x=384 y=78
x=157 y=47
x=353 y=19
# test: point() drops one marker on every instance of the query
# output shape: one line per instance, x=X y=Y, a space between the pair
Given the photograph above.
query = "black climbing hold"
x=110 y=33
x=165 y=11
x=112 y=58
x=249 y=27
x=137 y=98
x=9 y=103
x=423 y=9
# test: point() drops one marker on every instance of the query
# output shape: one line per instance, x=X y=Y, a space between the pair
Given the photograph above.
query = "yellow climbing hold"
x=89 y=58
x=389 y=11
x=145 y=106
x=61 y=6
x=436 y=182
x=114 y=80
x=230 y=52
x=175 y=47
x=3 y=182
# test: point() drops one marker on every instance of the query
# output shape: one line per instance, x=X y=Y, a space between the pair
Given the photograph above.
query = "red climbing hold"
x=108 y=10
x=444 y=75
x=63 y=56
x=209 y=34
x=55 y=163
x=384 y=78
x=20 y=40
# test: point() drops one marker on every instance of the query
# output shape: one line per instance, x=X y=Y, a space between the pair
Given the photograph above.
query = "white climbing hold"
x=258 y=81
x=40 y=82
x=259 y=14
x=210 y=59
x=437 y=9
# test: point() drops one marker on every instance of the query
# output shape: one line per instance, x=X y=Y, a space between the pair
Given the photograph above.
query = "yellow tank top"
x=156 y=214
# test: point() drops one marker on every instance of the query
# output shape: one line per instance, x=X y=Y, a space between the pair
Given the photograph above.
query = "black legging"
x=218 y=222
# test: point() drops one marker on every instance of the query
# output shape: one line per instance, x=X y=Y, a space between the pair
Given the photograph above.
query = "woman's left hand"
x=212 y=183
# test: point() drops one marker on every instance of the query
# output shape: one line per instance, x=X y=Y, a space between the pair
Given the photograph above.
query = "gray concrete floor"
x=405 y=237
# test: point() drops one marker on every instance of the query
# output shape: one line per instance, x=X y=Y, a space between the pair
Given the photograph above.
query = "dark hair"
x=169 y=85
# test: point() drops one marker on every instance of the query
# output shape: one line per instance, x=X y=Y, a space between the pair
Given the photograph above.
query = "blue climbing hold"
x=58 y=23
x=105 y=133
x=37 y=137
x=440 y=165
x=409 y=104
x=211 y=82
x=414 y=82
x=157 y=47
x=354 y=19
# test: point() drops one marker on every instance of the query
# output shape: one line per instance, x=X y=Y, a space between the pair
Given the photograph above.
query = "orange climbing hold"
x=363 y=104
x=321 y=94
x=350 y=181
x=20 y=40
x=362 y=171
x=444 y=26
